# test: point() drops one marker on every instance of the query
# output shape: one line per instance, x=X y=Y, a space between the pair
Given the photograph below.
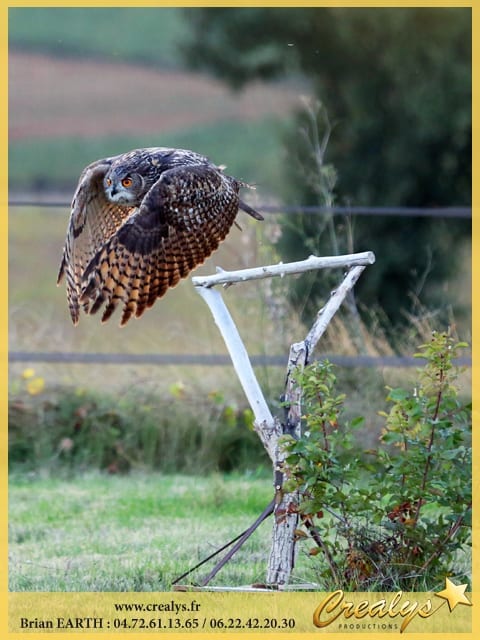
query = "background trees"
x=396 y=84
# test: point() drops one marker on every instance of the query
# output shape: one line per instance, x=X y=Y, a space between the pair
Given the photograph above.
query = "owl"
x=140 y=222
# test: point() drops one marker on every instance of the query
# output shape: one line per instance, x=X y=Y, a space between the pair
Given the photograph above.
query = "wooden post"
x=268 y=427
x=282 y=556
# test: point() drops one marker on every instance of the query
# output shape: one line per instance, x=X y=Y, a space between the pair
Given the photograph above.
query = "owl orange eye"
x=108 y=182
x=127 y=182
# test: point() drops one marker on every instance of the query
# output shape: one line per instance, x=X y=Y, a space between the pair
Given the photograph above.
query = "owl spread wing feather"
x=180 y=222
x=93 y=221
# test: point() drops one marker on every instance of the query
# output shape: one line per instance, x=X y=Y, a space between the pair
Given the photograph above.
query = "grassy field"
x=147 y=35
x=99 y=532
x=110 y=533
x=77 y=95
x=180 y=323
x=57 y=124
x=67 y=156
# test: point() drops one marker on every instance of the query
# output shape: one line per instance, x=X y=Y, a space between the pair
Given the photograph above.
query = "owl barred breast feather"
x=140 y=222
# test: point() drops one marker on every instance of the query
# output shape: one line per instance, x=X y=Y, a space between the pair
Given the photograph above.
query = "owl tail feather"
x=251 y=212
x=61 y=271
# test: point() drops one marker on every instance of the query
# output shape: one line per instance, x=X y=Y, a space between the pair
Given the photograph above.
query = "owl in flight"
x=140 y=222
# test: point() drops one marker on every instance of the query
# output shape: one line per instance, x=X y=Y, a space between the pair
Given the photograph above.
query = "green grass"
x=147 y=35
x=99 y=532
x=96 y=532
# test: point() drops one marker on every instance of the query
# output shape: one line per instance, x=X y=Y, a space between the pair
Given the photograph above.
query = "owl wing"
x=93 y=221
x=181 y=221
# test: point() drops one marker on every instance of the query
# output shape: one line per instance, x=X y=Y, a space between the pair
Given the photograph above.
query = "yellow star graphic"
x=454 y=594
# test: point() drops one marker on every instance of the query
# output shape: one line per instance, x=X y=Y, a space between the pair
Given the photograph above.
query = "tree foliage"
x=396 y=84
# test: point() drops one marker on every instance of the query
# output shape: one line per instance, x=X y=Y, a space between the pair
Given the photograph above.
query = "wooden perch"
x=282 y=556
x=268 y=427
x=310 y=264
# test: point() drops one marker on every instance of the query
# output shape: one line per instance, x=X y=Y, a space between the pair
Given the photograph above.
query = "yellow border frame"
x=4 y=312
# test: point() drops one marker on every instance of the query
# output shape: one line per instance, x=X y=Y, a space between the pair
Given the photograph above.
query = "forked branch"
x=268 y=427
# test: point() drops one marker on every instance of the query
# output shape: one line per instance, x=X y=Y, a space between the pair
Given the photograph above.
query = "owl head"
x=124 y=186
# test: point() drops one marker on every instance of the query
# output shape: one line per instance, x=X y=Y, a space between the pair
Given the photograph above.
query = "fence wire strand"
x=429 y=212
x=224 y=360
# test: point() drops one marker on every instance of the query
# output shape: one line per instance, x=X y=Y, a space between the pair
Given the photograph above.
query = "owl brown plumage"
x=141 y=222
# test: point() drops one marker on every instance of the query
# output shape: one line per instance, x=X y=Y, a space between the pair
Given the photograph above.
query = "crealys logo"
x=394 y=613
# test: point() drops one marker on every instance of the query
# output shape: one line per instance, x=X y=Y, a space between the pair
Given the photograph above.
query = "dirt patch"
x=52 y=97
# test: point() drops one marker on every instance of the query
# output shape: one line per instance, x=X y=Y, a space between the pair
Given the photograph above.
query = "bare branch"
x=268 y=428
x=265 y=424
x=325 y=314
x=310 y=264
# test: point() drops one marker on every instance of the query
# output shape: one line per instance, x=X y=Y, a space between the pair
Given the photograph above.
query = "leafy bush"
x=394 y=517
x=79 y=429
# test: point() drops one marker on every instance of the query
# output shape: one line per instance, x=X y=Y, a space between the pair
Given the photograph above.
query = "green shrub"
x=78 y=429
x=397 y=516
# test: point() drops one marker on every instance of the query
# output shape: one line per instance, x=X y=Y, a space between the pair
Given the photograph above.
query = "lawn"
x=96 y=532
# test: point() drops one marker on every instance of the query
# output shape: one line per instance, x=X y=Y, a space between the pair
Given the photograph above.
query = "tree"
x=396 y=84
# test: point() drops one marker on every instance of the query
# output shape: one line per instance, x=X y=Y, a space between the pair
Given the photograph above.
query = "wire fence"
x=425 y=212
x=162 y=359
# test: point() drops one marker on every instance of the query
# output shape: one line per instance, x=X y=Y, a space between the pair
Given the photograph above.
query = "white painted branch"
x=310 y=264
x=325 y=314
x=265 y=425
x=268 y=428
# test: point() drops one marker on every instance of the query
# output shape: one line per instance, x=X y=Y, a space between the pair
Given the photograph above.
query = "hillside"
x=66 y=112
